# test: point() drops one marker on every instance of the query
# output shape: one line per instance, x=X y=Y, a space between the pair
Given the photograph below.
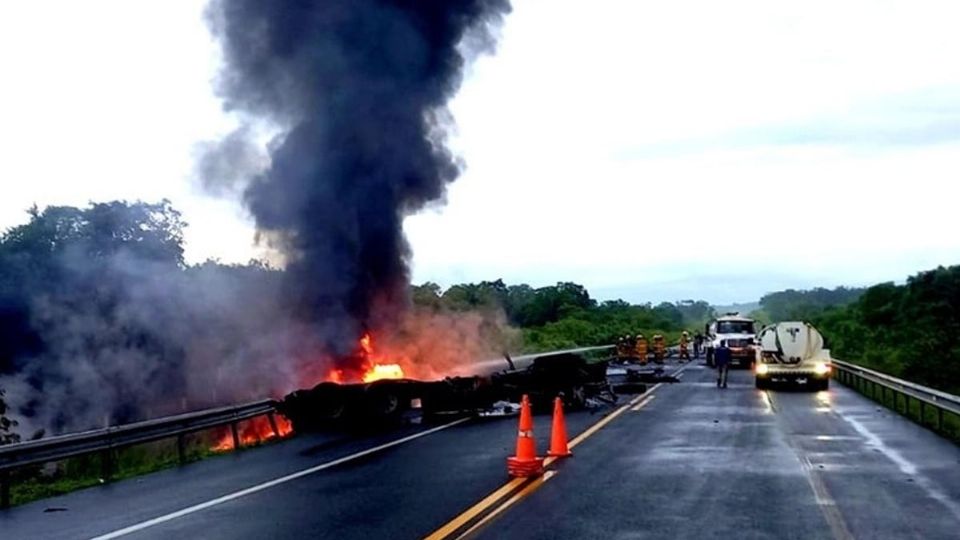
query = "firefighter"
x=628 y=347
x=659 y=348
x=684 y=339
x=641 y=348
x=619 y=348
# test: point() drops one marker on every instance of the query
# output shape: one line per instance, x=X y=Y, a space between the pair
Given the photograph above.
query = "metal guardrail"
x=106 y=440
x=869 y=382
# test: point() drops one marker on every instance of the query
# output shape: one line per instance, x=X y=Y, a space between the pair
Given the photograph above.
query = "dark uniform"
x=722 y=357
x=697 y=344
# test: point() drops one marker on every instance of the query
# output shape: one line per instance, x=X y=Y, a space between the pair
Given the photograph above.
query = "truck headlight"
x=821 y=369
x=762 y=369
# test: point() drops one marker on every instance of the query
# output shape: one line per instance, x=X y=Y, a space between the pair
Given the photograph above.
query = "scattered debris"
x=501 y=408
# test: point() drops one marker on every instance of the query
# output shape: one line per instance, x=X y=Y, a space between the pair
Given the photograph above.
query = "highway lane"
x=699 y=462
x=691 y=461
x=404 y=491
x=93 y=511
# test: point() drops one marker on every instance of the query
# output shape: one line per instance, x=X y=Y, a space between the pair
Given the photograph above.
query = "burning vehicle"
x=381 y=401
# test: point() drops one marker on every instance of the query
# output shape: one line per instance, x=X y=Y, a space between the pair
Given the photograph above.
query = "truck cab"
x=792 y=352
x=740 y=334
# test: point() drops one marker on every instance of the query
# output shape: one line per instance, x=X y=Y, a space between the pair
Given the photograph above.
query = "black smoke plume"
x=358 y=89
x=103 y=322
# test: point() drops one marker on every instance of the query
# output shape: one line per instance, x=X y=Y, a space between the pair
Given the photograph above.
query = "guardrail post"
x=4 y=489
x=236 y=435
x=272 y=418
x=923 y=413
x=106 y=464
x=940 y=420
x=181 y=449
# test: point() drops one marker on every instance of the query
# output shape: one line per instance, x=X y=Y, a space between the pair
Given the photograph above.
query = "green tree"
x=427 y=295
x=910 y=330
x=792 y=304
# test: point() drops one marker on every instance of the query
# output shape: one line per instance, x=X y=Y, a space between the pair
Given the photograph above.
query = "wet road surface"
x=691 y=461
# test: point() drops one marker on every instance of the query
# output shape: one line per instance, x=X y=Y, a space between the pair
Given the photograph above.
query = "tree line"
x=910 y=331
x=565 y=315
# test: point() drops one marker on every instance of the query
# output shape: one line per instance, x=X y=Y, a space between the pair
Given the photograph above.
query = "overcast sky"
x=650 y=150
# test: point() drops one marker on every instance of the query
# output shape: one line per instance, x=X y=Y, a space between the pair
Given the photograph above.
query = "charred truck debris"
x=579 y=382
x=387 y=402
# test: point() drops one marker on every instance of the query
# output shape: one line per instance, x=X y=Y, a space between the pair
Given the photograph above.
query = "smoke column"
x=359 y=90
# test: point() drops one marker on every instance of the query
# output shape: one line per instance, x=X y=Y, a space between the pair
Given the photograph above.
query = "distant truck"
x=792 y=352
x=740 y=334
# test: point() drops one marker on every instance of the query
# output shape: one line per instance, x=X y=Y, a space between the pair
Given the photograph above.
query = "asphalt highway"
x=684 y=460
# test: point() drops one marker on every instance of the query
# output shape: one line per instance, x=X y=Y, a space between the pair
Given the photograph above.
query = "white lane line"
x=825 y=501
x=643 y=403
x=906 y=466
x=269 y=484
x=873 y=441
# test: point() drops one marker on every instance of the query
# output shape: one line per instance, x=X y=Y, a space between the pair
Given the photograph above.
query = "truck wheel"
x=329 y=402
x=823 y=385
x=384 y=403
x=761 y=383
x=710 y=357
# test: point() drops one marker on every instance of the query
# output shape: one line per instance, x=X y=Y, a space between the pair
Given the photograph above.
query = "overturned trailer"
x=388 y=402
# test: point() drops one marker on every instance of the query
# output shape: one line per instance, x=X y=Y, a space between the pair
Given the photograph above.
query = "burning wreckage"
x=388 y=402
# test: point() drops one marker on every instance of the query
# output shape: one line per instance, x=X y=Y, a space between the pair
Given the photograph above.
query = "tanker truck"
x=792 y=352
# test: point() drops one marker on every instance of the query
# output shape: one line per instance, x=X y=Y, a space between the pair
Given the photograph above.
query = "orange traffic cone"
x=525 y=463
x=558 y=432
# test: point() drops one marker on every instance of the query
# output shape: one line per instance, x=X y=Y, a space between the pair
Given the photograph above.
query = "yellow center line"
x=476 y=509
x=534 y=485
x=471 y=513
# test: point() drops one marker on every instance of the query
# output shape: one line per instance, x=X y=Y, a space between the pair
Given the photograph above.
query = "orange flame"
x=376 y=369
x=366 y=344
x=335 y=376
x=383 y=371
x=255 y=431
